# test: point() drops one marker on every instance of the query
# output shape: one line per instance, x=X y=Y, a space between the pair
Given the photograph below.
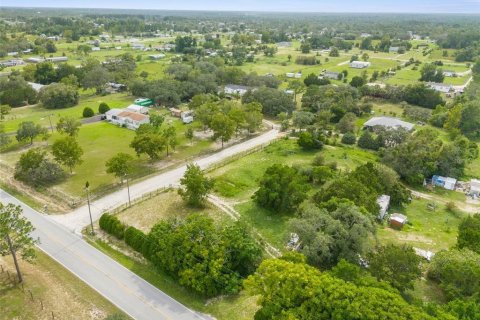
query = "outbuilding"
x=383 y=202
x=388 y=122
x=137 y=108
x=360 y=64
x=398 y=220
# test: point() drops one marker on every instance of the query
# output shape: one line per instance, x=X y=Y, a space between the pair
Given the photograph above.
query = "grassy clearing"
x=146 y=214
x=38 y=114
x=429 y=230
x=59 y=290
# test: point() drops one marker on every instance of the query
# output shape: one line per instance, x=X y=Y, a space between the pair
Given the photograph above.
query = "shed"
x=176 y=112
x=383 y=202
x=398 y=220
x=144 y=102
x=475 y=188
x=445 y=182
x=359 y=64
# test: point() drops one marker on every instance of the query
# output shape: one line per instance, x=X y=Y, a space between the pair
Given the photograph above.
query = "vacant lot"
x=60 y=292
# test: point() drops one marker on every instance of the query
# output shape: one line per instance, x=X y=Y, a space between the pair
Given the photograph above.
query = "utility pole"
x=128 y=190
x=87 y=186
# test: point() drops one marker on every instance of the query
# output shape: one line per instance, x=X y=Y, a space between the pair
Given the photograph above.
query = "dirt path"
x=469 y=208
x=226 y=207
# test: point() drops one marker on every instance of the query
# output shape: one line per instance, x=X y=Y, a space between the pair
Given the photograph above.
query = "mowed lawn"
x=428 y=230
x=39 y=114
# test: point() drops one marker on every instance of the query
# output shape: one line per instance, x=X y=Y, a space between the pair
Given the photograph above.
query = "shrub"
x=103 y=108
x=88 y=112
x=135 y=238
x=349 y=138
x=112 y=225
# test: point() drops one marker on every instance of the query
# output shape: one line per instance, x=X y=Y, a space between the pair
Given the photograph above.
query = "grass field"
x=38 y=114
x=60 y=292
x=429 y=230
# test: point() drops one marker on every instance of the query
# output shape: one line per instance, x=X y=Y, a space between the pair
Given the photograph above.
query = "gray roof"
x=237 y=87
x=388 y=122
x=36 y=86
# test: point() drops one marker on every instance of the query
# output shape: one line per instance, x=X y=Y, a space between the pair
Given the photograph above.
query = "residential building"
x=445 y=88
x=445 y=182
x=449 y=73
x=396 y=49
x=359 y=64
x=35 y=60
x=156 y=56
x=36 y=86
x=236 y=89
x=332 y=75
x=388 y=122
x=125 y=118
x=12 y=63
x=138 y=109
x=138 y=46
x=474 y=188
x=57 y=59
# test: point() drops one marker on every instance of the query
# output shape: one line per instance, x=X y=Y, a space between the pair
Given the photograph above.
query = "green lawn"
x=429 y=230
x=40 y=115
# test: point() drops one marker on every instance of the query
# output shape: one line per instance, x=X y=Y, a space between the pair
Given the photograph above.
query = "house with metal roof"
x=388 y=122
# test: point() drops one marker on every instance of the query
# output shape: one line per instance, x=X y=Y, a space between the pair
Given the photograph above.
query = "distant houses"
x=156 y=56
x=297 y=75
x=448 y=73
x=138 y=46
x=50 y=59
x=359 y=64
x=388 y=122
x=441 y=87
x=12 y=63
x=396 y=50
x=332 y=75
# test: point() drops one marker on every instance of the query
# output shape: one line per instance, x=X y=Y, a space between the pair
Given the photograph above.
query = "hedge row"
x=138 y=240
x=112 y=225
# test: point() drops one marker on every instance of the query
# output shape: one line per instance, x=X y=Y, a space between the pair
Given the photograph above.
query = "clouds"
x=424 y=6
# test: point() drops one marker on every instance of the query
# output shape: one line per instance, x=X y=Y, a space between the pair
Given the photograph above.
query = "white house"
x=445 y=88
x=448 y=73
x=126 y=118
x=236 y=89
x=156 y=56
x=36 y=86
x=290 y=74
x=35 y=59
x=137 y=108
x=95 y=48
x=388 y=122
x=57 y=59
x=359 y=64
x=138 y=46
x=332 y=75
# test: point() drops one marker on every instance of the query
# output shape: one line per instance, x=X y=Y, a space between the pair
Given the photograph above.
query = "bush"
x=103 y=108
x=88 y=112
x=112 y=225
x=135 y=238
x=36 y=169
x=349 y=138
x=308 y=141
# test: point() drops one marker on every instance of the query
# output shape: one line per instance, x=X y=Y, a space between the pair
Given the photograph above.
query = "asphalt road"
x=127 y=291
x=76 y=220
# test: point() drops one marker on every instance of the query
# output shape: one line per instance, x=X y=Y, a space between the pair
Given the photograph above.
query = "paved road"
x=79 y=218
x=123 y=288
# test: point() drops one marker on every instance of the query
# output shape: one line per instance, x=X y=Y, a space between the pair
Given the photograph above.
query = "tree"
x=28 y=130
x=357 y=82
x=326 y=238
x=103 y=108
x=349 y=138
x=196 y=186
x=88 y=112
x=223 y=127
x=347 y=123
x=334 y=52
x=282 y=189
x=45 y=73
x=149 y=143
x=291 y=289
x=156 y=120
x=313 y=79
x=470 y=119
x=237 y=115
x=273 y=101
x=253 y=116
x=4 y=137
x=58 y=95
x=96 y=78
x=457 y=272
x=301 y=119
x=309 y=141
x=189 y=134
x=35 y=169
x=69 y=126
x=366 y=141
x=16 y=92
x=469 y=233
x=120 y=165
x=430 y=73
x=170 y=137
x=398 y=265
x=4 y=110
x=68 y=152
x=298 y=87
x=15 y=235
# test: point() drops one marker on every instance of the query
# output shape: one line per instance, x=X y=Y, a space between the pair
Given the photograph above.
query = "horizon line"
x=250 y=11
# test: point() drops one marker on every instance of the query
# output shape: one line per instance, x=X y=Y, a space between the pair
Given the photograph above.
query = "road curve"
x=130 y=293
x=76 y=220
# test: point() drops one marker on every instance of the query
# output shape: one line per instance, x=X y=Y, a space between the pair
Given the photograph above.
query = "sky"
x=411 y=6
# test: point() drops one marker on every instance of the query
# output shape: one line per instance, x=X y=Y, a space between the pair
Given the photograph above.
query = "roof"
x=135 y=107
x=36 y=86
x=474 y=184
x=236 y=87
x=113 y=112
x=388 y=122
x=398 y=217
x=132 y=115
x=383 y=201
